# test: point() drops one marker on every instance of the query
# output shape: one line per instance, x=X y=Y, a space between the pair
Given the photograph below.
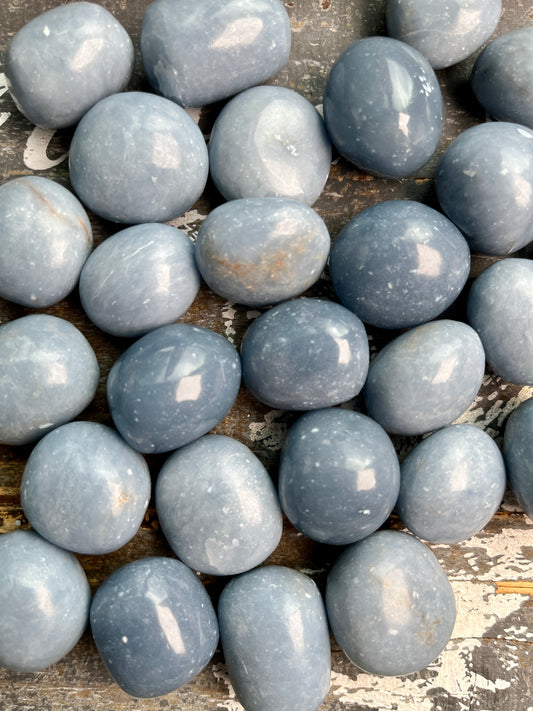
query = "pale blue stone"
x=518 y=454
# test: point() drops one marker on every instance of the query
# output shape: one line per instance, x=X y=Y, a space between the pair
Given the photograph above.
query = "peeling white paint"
x=228 y=314
x=269 y=432
x=34 y=156
x=188 y=222
x=231 y=704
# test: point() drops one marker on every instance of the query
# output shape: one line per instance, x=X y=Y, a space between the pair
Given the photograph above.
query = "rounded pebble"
x=518 y=454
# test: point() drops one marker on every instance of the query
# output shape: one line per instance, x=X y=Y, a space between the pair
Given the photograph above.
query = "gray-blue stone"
x=154 y=626
x=399 y=263
x=502 y=80
x=484 y=184
x=270 y=141
x=260 y=251
x=305 y=354
x=452 y=484
x=275 y=639
x=500 y=308
x=518 y=454
x=139 y=279
x=196 y=52
x=46 y=238
x=425 y=378
x=390 y=604
x=84 y=489
x=136 y=157
x=444 y=32
x=62 y=62
x=172 y=386
x=383 y=107
x=44 y=602
x=339 y=476
x=49 y=375
x=217 y=506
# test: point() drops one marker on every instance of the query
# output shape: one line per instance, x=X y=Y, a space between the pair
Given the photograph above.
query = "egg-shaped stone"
x=518 y=454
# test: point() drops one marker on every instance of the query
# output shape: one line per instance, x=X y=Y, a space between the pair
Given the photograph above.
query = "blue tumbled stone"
x=518 y=454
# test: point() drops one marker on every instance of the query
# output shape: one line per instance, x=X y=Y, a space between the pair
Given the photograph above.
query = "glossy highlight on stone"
x=518 y=454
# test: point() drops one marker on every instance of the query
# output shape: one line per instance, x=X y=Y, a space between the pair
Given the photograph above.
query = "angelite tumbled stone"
x=500 y=308
x=49 y=375
x=260 y=251
x=270 y=141
x=339 y=476
x=399 y=263
x=46 y=238
x=136 y=157
x=383 y=107
x=217 y=506
x=518 y=454
x=139 y=279
x=154 y=626
x=196 y=52
x=65 y=60
x=305 y=354
x=44 y=602
x=484 y=183
x=425 y=378
x=85 y=489
x=452 y=484
x=390 y=605
x=172 y=386
x=275 y=639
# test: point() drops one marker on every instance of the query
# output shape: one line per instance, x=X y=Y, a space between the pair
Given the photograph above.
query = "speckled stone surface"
x=339 y=475
x=502 y=80
x=383 y=107
x=269 y=141
x=196 y=52
x=484 y=183
x=518 y=454
x=172 y=386
x=390 y=605
x=46 y=238
x=44 y=602
x=260 y=251
x=425 y=378
x=62 y=62
x=500 y=308
x=85 y=489
x=139 y=279
x=399 y=263
x=217 y=506
x=452 y=484
x=154 y=626
x=275 y=639
x=444 y=32
x=49 y=375
x=136 y=157
x=305 y=354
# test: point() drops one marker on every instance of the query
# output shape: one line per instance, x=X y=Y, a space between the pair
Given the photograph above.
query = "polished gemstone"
x=518 y=454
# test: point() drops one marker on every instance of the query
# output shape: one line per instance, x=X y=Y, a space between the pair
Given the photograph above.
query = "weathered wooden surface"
x=488 y=665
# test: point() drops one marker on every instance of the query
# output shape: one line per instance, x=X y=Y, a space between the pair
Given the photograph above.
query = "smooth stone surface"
x=452 y=484
x=518 y=454
x=62 y=62
x=390 y=605
x=154 y=626
x=383 y=107
x=502 y=80
x=425 y=378
x=139 y=279
x=444 y=32
x=275 y=639
x=398 y=264
x=85 y=489
x=260 y=251
x=172 y=386
x=500 y=308
x=305 y=354
x=270 y=141
x=44 y=602
x=196 y=52
x=46 y=238
x=49 y=375
x=339 y=476
x=217 y=506
x=484 y=184
x=136 y=157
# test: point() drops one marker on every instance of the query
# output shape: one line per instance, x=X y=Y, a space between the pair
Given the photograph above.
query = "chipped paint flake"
x=269 y=432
